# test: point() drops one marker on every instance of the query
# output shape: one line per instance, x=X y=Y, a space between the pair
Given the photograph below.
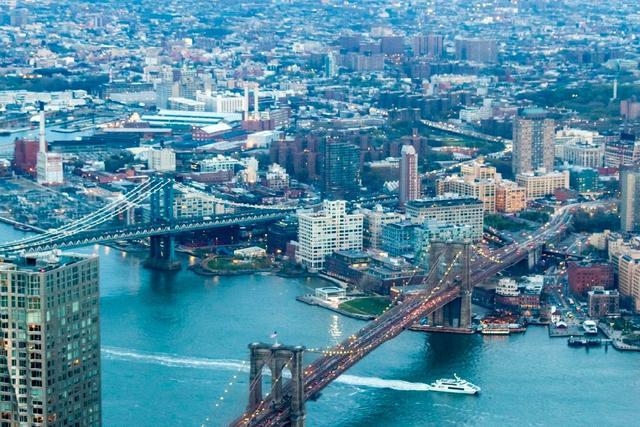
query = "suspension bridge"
x=161 y=227
x=451 y=277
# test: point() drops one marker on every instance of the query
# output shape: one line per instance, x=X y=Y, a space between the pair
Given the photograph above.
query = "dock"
x=569 y=331
x=586 y=342
x=442 y=329
x=311 y=300
x=616 y=340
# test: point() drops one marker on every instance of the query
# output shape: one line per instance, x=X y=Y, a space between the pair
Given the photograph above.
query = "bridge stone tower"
x=457 y=314
x=162 y=254
x=276 y=358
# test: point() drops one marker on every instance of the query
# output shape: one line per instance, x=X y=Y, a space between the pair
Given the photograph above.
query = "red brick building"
x=583 y=276
x=25 y=156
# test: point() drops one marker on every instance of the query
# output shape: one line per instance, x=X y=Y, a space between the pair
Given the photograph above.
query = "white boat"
x=494 y=329
x=589 y=327
x=455 y=385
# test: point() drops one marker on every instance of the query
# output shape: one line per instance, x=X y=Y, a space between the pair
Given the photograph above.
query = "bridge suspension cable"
x=98 y=217
x=75 y=223
x=81 y=225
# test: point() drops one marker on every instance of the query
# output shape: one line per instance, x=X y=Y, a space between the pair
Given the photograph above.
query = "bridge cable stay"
x=110 y=205
x=85 y=224
x=255 y=381
x=424 y=297
x=425 y=280
x=339 y=349
x=134 y=194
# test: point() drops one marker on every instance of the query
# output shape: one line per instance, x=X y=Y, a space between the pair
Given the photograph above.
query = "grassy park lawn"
x=235 y=264
x=366 y=305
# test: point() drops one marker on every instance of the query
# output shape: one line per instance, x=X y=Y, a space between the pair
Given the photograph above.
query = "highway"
x=400 y=317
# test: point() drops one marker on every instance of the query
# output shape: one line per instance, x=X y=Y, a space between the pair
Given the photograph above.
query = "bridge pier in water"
x=162 y=254
x=276 y=358
x=162 y=248
x=456 y=315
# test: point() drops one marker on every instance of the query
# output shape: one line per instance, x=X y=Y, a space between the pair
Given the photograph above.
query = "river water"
x=7 y=141
x=173 y=342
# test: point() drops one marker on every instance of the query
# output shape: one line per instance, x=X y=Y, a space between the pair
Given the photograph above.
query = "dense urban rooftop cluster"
x=367 y=133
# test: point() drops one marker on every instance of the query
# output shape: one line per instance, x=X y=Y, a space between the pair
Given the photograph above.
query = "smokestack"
x=43 y=141
x=245 y=105
x=615 y=89
x=256 y=97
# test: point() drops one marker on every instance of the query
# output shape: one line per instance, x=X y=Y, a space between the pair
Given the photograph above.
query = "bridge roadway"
x=395 y=320
x=139 y=231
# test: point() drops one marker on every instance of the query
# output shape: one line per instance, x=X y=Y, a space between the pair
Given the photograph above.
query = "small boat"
x=455 y=385
x=495 y=329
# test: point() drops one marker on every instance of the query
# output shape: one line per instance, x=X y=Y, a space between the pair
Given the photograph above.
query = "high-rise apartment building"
x=533 y=136
x=510 y=198
x=630 y=198
x=409 y=176
x=449 y=210
x=341 y=169
x=429 y=45
x=320 y=233
x=627 y=260
x=50 y=357
x=476 y=50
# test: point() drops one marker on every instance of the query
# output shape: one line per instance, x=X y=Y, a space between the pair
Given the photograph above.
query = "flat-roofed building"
x=449 y=209
x=541 y=183
x=510 y=197
x=322 y=232
x=603 y=302
x=374 y=221
x=50 y=366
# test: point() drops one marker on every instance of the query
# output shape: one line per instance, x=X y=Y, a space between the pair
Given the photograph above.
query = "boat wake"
x=175 y=361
